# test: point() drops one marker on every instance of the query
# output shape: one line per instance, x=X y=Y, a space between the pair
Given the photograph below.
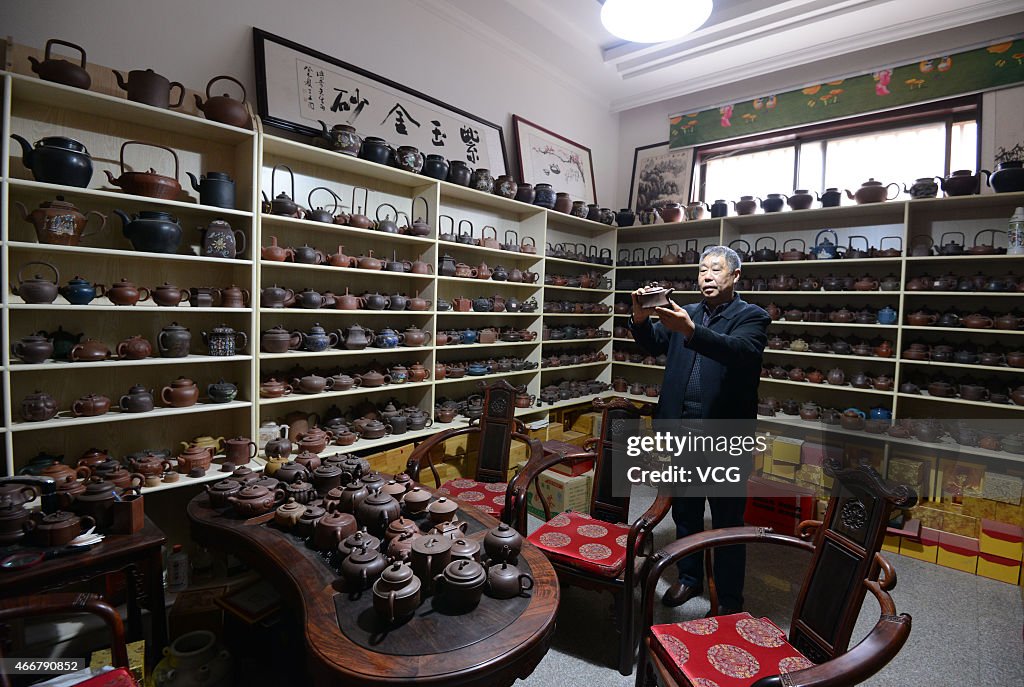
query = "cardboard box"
x=813 y=474
x=958 y=523
x=561 y=493
x=588 y=423
x=924 y=548
x=1002 y=488
x=784 y=470
x=554 y=431
x=1008 y=513
x=786 y=450
x=997 y=568
x=909 y=471
x=1002 y=539
x=891 y=543
x=575 y=438
x=958 y=552
x=196 y=610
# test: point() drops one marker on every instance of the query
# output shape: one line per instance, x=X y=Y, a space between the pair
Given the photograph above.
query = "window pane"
x=901 y=155
x=812 y=166
x=963 y=152
x=750 y=174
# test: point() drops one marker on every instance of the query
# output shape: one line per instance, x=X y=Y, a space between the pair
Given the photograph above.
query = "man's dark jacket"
x=732 y=345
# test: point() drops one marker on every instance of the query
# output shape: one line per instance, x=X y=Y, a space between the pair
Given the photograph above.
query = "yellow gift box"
x=998 y=568
x=1002 y=539
x=786 y=450
x=891 y=543
x=958 y=552
x=925 y=548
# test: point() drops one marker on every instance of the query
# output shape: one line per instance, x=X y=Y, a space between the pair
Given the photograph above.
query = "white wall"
x=1001 y=112
x=405 y=40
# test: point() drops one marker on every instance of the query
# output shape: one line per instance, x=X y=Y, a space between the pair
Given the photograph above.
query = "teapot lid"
x=465 y=547
x=175 y=326
x=62 y=142
x=291 y=506
x=464 y=571
x=223 y=329
x=316 y=328
x=505 y=571
x=397 y=573
x=59 y=204
x=431 y=544
x=379 y=498
x=872 y=182
x=253 y=491
x=358 y=540
x=99 y=488
x=443 y=505
x=327 y=470
x=503 y=531
x=362 y=555
x=57 y=518
x=223 y=485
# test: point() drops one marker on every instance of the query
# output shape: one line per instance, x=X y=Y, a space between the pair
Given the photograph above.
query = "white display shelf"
x=277 y=148
x=967 y=330
x=47 y=93
x=335 y=353
x=578 y=366
x=831 y=356
x=925 y=396
x=604 y=315
x=343 y=271
x=824 y=385
x=518 y=257
x=268 y=312
x=127 y=253
x=549 y=287
x=559 y=342
x=963 y=366
x=493 y=375
x=450 y=313
x=450 y=191
x=138 y=307
x=578 y=263
x=649 y=367
x=851 y=325
x=393 y=439
x=66 y=421
x=214 y=474
x=966 y=294
x=120 y=198
x=489 y=282
x=269 y=222
x=51 y=365
x=474 y=346
x=296 y=397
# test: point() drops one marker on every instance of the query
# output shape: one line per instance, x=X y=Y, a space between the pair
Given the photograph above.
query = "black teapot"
x=57 y=160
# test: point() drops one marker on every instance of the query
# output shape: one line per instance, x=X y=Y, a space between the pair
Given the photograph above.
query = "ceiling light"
x=654 y=21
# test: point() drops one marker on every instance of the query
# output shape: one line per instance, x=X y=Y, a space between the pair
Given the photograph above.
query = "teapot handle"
x=56 y=274
x=309 y=198
x=386 y=205
x=426 y=207
x=239 y=241
x=899 y=242
x=151 y=145
x=366 y=200
x=887 y=190
x=103 y=223
x=830 y=231
x=963 y=238
x=273 y=173
x=226 y=78
x=56 y=41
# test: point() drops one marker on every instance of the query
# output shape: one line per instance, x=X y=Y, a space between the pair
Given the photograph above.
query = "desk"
x=138 y=555
x=307 y=583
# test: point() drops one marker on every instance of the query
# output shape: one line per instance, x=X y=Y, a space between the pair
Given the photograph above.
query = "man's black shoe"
x=680 y=593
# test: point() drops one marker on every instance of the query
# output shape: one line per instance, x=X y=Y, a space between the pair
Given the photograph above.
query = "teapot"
x=221 y=241
x=151 y=231
x=59 y=70
x=37 y=290
x=57 y=160
x=924 y=187
x=216 y=189
x=224 y=109
x=60 y=223
x=963 y=182
x=396 y=594
x=148 y=183
x=872 y=191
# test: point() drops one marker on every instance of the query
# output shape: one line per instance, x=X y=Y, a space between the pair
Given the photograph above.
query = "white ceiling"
x=743 y=39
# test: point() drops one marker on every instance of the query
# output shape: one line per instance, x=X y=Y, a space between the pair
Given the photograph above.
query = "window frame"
x=947 y=111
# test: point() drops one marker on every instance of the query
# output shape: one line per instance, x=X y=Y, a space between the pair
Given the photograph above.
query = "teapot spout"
x=199 y=104
x=195 y=181
x=27 y=154
x=121 y=83
x=125 y=219
x=850 y=195
x=35 y=64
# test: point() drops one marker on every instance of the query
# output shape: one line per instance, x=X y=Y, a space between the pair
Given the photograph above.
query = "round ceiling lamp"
x=654 y=21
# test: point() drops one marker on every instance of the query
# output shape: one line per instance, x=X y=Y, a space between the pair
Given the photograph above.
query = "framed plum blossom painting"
x=546 y=157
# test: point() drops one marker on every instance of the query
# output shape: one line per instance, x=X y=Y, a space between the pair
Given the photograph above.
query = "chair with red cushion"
x=598 y=551
x=738 y=649
x=496 y=429
x=66 y=603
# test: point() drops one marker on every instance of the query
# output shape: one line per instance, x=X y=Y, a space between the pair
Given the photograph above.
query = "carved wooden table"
x=514 y=637
x=138 y=555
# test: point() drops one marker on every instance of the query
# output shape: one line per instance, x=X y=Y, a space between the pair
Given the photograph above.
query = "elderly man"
x=714 y=350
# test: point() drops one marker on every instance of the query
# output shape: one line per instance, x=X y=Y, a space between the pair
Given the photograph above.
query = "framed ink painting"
x=546 y=157
x=660 y=176
x=297 y=88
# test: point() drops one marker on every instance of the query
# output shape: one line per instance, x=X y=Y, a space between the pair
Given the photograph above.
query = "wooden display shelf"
x=925 y=396
x=971 y=202
x=72 y=193
x=831 y=356
x=511 y=255
x=490 y=282
x=277 y=148
x=821 y=292
x=51 y=365
x=126 y=253
x=58 y=423
x=392 y=439
x=689 y=266
x=214 y=474
x=824 y=385
x=337 y=352
x=344 y=271
x=356 y=391
x=560 y=342
x=493 y=375
x=269 y=221
x=964 y=258
x=107 y=107
x=963 y=366
x=849 y=215
x=964 y=330
x=584 y=263
x=558 y=405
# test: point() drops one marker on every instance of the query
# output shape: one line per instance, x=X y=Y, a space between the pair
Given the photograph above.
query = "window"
x=842 y=155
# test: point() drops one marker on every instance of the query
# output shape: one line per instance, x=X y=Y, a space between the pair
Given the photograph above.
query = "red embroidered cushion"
x=487 y=496
x=580 y=540
x=727 y=651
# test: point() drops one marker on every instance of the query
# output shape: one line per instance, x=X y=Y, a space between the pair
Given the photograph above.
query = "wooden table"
x=138 y=555
x=308 y=582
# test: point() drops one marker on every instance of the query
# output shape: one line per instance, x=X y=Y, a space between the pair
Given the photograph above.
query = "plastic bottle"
x=1015 y=234
x=177 y=569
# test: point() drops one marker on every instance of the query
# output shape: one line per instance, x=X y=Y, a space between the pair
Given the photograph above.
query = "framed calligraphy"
x=546 y=157
x=298 y=87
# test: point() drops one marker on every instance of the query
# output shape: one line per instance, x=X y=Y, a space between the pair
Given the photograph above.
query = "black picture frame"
x=263 y=98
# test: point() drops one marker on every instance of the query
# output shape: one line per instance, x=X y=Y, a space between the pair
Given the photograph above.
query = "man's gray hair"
x=732 y=258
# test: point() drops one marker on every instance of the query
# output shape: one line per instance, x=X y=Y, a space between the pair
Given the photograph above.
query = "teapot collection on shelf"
x=580 y=252
x=314 y=381
x=275 y=296
x=485 y=335
x=279 y=339
x=448 y=267
x=464 y=234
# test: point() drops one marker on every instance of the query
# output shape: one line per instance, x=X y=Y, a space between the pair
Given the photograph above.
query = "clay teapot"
x=59 y=70
x=37 y=289
x=149 y=183
x=223 y=108
x=872 y=191
x=58 y=222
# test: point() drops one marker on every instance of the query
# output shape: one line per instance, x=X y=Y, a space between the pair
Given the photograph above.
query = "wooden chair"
x=64 y=603
x=496 y=428
x=739 y=649
x=597 y=551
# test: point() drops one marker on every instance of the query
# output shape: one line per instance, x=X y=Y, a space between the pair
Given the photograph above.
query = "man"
x=714 y=350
